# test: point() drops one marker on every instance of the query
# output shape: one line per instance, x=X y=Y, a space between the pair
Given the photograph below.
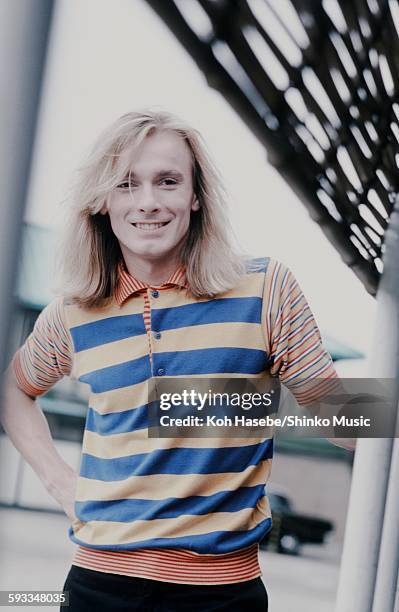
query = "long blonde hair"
x=90 y=253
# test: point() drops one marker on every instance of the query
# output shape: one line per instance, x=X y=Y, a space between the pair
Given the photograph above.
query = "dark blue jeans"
x=92 y=591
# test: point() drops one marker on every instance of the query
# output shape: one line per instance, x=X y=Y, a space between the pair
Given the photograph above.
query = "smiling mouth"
x=150 y=226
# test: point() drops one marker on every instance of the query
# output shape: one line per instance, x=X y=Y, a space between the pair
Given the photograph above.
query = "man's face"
x=150 y=210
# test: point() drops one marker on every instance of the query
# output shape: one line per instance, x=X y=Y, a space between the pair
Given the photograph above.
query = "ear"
x=104 y=209
x=195 y=204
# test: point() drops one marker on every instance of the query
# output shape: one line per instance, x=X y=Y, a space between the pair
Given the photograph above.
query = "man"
x=152 y=287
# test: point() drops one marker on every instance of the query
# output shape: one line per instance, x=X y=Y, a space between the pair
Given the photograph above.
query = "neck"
x=152 y=272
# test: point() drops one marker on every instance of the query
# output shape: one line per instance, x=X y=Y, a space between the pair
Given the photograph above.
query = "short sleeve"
x=46 y=355
x=296 y=351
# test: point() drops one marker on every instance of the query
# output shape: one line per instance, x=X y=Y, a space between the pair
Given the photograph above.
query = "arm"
x=44 y=358
x=295 y=347
x=27 y=428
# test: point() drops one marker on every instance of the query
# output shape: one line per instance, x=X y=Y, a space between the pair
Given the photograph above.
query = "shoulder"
x=50 y=328
x=280 y=287
x=254 y=265
x=268 y=265
x=276 y=273
x=52 y=313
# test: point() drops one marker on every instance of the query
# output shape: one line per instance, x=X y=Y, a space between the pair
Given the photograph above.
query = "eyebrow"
x=161 y=173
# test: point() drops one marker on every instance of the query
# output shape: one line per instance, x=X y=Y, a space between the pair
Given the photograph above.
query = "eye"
x=126 y=185
x=168 y=182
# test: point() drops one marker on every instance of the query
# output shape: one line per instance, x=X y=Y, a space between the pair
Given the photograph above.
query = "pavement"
x=36 y=554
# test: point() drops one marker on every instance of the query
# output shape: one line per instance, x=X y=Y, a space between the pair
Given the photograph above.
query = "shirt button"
x=157 y=335
x=155 y=294
x=161 y=371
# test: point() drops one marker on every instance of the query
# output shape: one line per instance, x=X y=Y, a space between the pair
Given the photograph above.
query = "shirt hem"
x=149 y=576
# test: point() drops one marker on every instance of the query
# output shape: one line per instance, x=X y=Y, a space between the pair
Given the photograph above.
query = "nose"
x=147 y=201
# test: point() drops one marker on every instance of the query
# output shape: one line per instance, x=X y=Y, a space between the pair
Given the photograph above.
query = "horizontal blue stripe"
x=176 y=461
x=226 y=310
x=117 y=422
x=111 y=329
x=128 y=510
x=118 y=376
x=211 y=361
x=217 y=542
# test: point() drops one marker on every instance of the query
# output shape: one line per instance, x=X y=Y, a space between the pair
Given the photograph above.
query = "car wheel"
x=290 y=544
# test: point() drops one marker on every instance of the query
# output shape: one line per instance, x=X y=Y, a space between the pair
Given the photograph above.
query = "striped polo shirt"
x=179 y=510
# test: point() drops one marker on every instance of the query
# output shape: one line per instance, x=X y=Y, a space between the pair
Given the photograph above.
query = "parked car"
x=290 y=530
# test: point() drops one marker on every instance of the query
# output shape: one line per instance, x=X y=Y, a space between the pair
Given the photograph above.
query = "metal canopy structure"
x=317 y=83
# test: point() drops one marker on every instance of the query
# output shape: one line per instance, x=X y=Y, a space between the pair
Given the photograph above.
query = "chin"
x=152 y=253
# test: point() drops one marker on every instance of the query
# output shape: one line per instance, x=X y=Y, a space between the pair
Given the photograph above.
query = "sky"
x=107 y=58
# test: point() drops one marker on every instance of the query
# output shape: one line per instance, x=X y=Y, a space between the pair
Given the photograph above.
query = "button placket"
x=155 y=334
x=147 y=325
x=158 y=370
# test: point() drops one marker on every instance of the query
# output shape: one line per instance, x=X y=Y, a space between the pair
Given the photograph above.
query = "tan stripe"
x=249 y=286
x=230 y=335
x=111 y=532
x=118 y=400
x=111 y=354
x=138 y=442
x=79 y=316
x=161 y=486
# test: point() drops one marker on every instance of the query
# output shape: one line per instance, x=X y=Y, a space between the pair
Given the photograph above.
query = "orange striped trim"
x=178 y=566
x=21 y=378
x=318 y=389
x=128 y=284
